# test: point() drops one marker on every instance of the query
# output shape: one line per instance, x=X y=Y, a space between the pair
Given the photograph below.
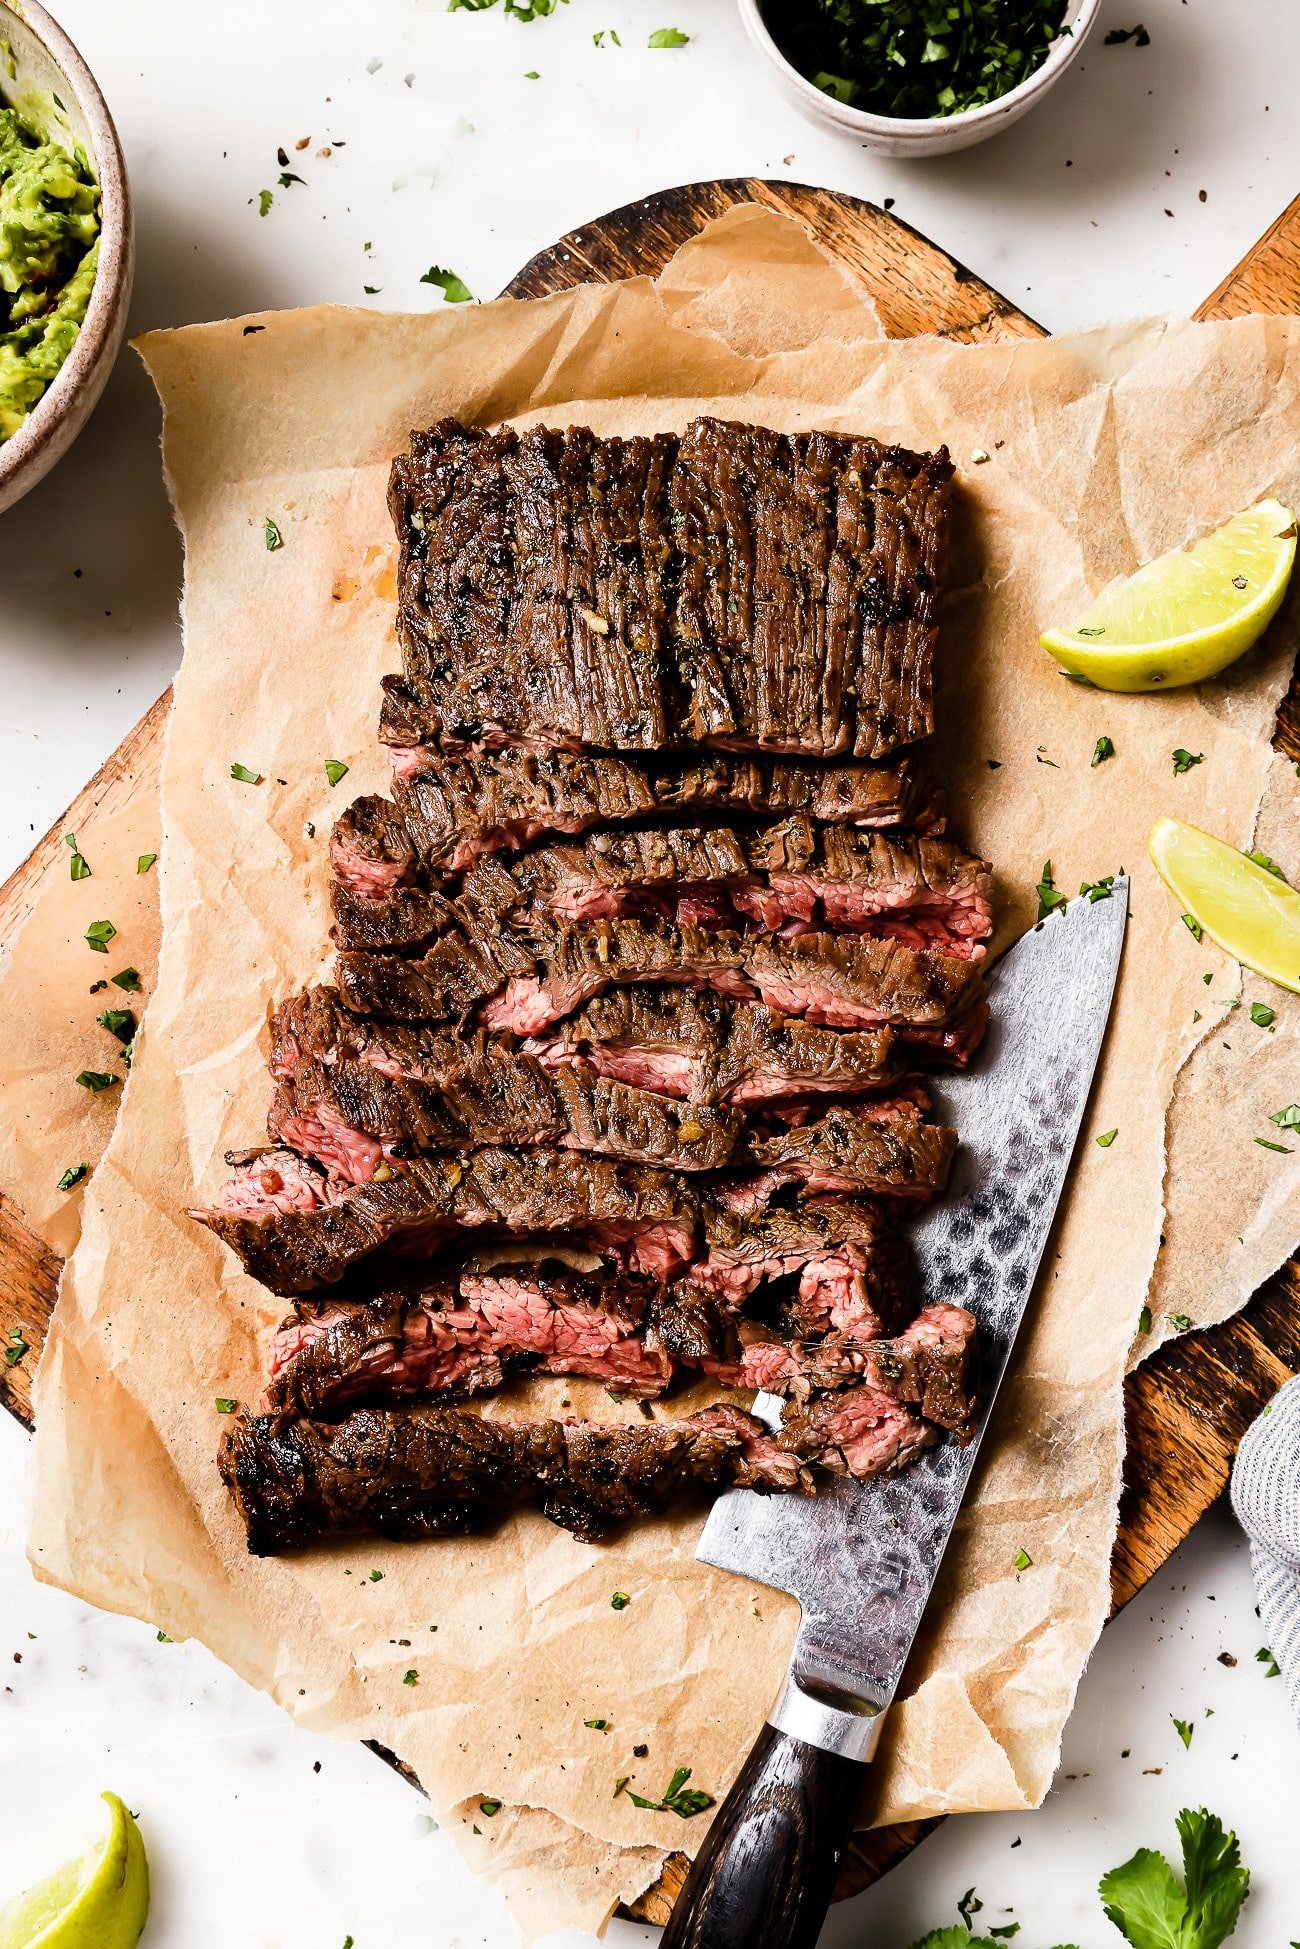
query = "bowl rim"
x=1062 y=51
x=115 y=232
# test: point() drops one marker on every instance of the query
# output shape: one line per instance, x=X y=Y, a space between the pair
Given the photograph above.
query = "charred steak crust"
x=450 y=807
x=735 y=587
x=425 y=1471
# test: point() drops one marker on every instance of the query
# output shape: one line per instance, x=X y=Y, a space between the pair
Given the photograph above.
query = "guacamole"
x=49 y=246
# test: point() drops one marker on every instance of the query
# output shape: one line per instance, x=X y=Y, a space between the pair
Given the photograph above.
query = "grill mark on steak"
x=791 y=877
x=735 y=587
x=453 y=807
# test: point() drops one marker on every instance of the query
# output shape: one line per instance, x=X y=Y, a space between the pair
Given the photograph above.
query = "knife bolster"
x=822 y=1716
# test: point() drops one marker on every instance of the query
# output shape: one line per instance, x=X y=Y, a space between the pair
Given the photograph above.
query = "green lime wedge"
x=1189 y=614
x=1252 y=914
x=99 y=1901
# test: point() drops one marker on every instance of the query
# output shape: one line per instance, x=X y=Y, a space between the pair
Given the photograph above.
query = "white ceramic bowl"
x=937 y=135
x=46 y=63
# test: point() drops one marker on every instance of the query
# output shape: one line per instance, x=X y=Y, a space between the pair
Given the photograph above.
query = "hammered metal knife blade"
x=862 y=1557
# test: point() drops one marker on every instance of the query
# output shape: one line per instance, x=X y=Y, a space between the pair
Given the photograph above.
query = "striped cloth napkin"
x=1266 y=1497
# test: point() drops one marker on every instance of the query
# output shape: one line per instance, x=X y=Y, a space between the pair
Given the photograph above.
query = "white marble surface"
x=1090 y=209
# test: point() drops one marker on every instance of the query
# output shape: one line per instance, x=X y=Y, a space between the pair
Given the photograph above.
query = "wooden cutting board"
x=1186 y=1407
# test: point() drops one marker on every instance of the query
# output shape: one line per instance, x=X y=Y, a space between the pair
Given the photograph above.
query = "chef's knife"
x=862 y=1557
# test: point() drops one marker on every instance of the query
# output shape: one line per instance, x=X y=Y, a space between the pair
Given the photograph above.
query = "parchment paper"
x=1104 y=450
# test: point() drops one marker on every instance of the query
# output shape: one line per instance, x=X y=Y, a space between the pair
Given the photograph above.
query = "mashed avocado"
x=49 y=246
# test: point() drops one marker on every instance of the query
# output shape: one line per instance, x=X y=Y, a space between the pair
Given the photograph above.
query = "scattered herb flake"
x=335 y=769
x=79 y=868
x=1266 y=1143
x=619 y=1601
x=372 y=290
x=96 y=1080
x=668 y=37
x=970 y=1904
x=1096 y=890
x=1048 y=897
x=1288 y=1119
x=163 y=1638
x=1184 y=1728
x=244 y=776
x=224 y=1404
x=119 y=1022
x=376 y=1576
x=411 y=1678
x=128 y=979
x=489 y=1807
x=374 y=64
x=1265 y=1657
x=271 y=535
x=1022 y=1559
x=15 y=1348
x=1104 y=749
x=1006 y=1929
x=597 y=1725
x=1144 y=1320
x=73 y=1175
x=144 y=862
x=1269 y=865
x=454 y=289
x=1261 y=1015
x=287 y=178
x=1184 y=760
x=1108 y=1137
x=264 y=202
x=531 y=74
x=99 y=934
x=1194 y=928
x=1180 y=1321
x=1118 y=35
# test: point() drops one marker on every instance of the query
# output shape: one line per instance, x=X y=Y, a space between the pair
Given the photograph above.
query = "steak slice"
x=932 y=1000
x=643 y=1220
x=454 y=807
x=433 y=1471
x=358 y=1121
x=736 y=588
x=809 y=1267
x=788 y=878
x=675 y=1042
x=887 y=1154
x=859 y=1432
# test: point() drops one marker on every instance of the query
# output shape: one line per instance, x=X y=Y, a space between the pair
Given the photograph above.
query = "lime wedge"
x=1187 y=615
x=1253 y=915
x=97 y=1902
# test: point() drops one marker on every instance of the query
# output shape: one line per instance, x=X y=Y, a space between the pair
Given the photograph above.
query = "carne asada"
x=456 y=806
x=735 y=587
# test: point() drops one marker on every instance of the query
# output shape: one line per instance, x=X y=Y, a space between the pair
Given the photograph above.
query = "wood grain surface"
x=1187 y=1406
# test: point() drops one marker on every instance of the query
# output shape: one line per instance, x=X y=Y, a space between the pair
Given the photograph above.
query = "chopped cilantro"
x=1269 y=865
x=144 y=862
x=668 y=37
x=1261 y=1015
x=264 y=202
x=119 y=1022
x=245 y=776
x=1288 y=1119
x=372 y=290
x=1145 y=1901
x=597 y=1725
x=225 y=1405
x=970 y=1904
x=678 y=1798
x=99 y=934
x=531 y=74
x=376 y=1576
x=1184 y=1728
x=1104 y=749
x=128 y=979
x=1118 y=35
x=619 y=1601
x=411 y=1678
x=163 y=1638
x=1006 y=1929
x=489 y=1807
x=73 y=1175
x=287 y=178
x=1096 y=890
x=16 y=1348
x=1265 y=1657
x=1266 y=1143
x=1184 y=760
x=1108 y=1137
x=1194 y=928
x=1022 y=1559
x=79 y=869
x=335 y=769
x=1144 y=1320
x=1049 y=899
x=454 y=289
x=96 y=1080
x=271 y=535
x=1180 y=1321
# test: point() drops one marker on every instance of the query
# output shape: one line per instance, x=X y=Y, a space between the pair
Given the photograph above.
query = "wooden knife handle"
x=766 y=1872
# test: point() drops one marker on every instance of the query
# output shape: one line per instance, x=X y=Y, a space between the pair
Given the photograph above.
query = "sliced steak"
x=454 y=807
x=641 y=1219
x=932 y=1000
x=859 y=1432
x=888 y=1154
x=736 y=588
x=426 y=1471
x=789 y=878
x=358 y=1120
x=809 y=1267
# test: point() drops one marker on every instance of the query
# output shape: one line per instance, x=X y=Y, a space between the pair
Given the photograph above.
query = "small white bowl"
x=46 y=63
x=939 y=135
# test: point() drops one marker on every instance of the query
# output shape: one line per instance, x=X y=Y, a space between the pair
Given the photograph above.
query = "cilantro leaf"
x=73 y=1175
x=619 y=1601
x=1184 y=760
x=1184 y=1728
x=144 y=862
x=454 y=289
x=668 y=37
x=128 y=979
x=1049 y=899
x=1108 y=1137
x=1269 y=865
x=335 y=769
x=1118 y=35
x=119 y=1022
x=224 y=1404
x=1288 y=1119
x=1105 y=749
x=244 y=776
x=1151 y=1910
x=264 y=202
x=1261 y=1015
x=96 y=1080
x=99 y=934
x=271 y=535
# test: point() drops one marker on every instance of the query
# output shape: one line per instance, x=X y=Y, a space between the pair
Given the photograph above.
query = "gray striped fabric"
x=1266 y=1497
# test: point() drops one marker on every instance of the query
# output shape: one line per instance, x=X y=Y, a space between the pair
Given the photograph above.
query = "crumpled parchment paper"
x=1078 y=458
